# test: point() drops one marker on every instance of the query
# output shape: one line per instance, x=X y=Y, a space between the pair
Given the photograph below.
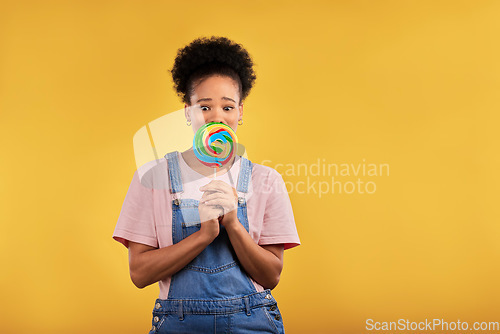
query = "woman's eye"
x=202 y=108
x=228 y=108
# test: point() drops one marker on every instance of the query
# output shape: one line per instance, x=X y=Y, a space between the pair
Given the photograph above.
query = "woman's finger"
x=219 y=195
x=215 y=185
x=226 y=204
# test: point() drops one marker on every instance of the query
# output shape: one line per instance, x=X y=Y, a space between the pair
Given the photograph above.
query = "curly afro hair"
x=208 y=56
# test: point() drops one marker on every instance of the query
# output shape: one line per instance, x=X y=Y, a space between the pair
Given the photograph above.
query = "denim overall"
x=213 y=293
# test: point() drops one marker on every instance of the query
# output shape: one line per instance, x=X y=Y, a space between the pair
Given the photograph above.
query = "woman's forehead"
x=216 y=88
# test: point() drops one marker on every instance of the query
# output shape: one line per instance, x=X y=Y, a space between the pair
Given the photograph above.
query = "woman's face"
x=215 y=99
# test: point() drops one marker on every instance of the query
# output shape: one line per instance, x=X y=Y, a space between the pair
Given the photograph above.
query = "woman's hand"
x=209 y=217
x=223 y=199
x=262 y=263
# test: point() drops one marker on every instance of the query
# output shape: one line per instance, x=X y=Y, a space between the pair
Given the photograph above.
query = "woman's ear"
x=186 y=112
x=241 y=111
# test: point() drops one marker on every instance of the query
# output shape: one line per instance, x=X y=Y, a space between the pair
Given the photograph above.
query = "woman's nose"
x=215 y=116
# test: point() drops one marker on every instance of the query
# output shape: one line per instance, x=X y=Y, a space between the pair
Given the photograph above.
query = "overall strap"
x=174 y=172
x=245 y=175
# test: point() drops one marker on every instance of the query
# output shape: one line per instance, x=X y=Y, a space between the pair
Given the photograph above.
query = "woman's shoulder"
x=152 y=166
x=153 y=174
x=265 y=172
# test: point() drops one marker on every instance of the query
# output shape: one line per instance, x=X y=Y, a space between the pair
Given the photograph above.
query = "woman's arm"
x=149 y=265
x=263 y=263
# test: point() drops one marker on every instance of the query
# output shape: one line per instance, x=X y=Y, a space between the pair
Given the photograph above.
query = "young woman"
x=214 y=245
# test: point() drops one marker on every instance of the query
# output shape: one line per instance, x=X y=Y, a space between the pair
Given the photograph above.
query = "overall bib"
x=213 y=293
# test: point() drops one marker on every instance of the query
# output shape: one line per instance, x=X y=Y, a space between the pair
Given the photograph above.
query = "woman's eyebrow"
x=228 y=98
x=204 y=99
x=209 y=99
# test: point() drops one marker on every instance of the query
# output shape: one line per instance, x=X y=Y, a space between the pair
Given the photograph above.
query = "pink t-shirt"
x=146 y=214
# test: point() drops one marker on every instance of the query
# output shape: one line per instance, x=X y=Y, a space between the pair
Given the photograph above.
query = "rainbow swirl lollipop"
x=214 y=144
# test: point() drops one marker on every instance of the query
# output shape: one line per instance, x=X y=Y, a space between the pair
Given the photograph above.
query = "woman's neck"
x=195 y=164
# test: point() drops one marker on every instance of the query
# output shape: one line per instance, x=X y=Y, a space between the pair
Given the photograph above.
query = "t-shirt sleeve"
x=136 y=221
x=278 y=226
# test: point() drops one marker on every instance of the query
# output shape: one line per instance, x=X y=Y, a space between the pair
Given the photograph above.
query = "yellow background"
x=413 y=84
